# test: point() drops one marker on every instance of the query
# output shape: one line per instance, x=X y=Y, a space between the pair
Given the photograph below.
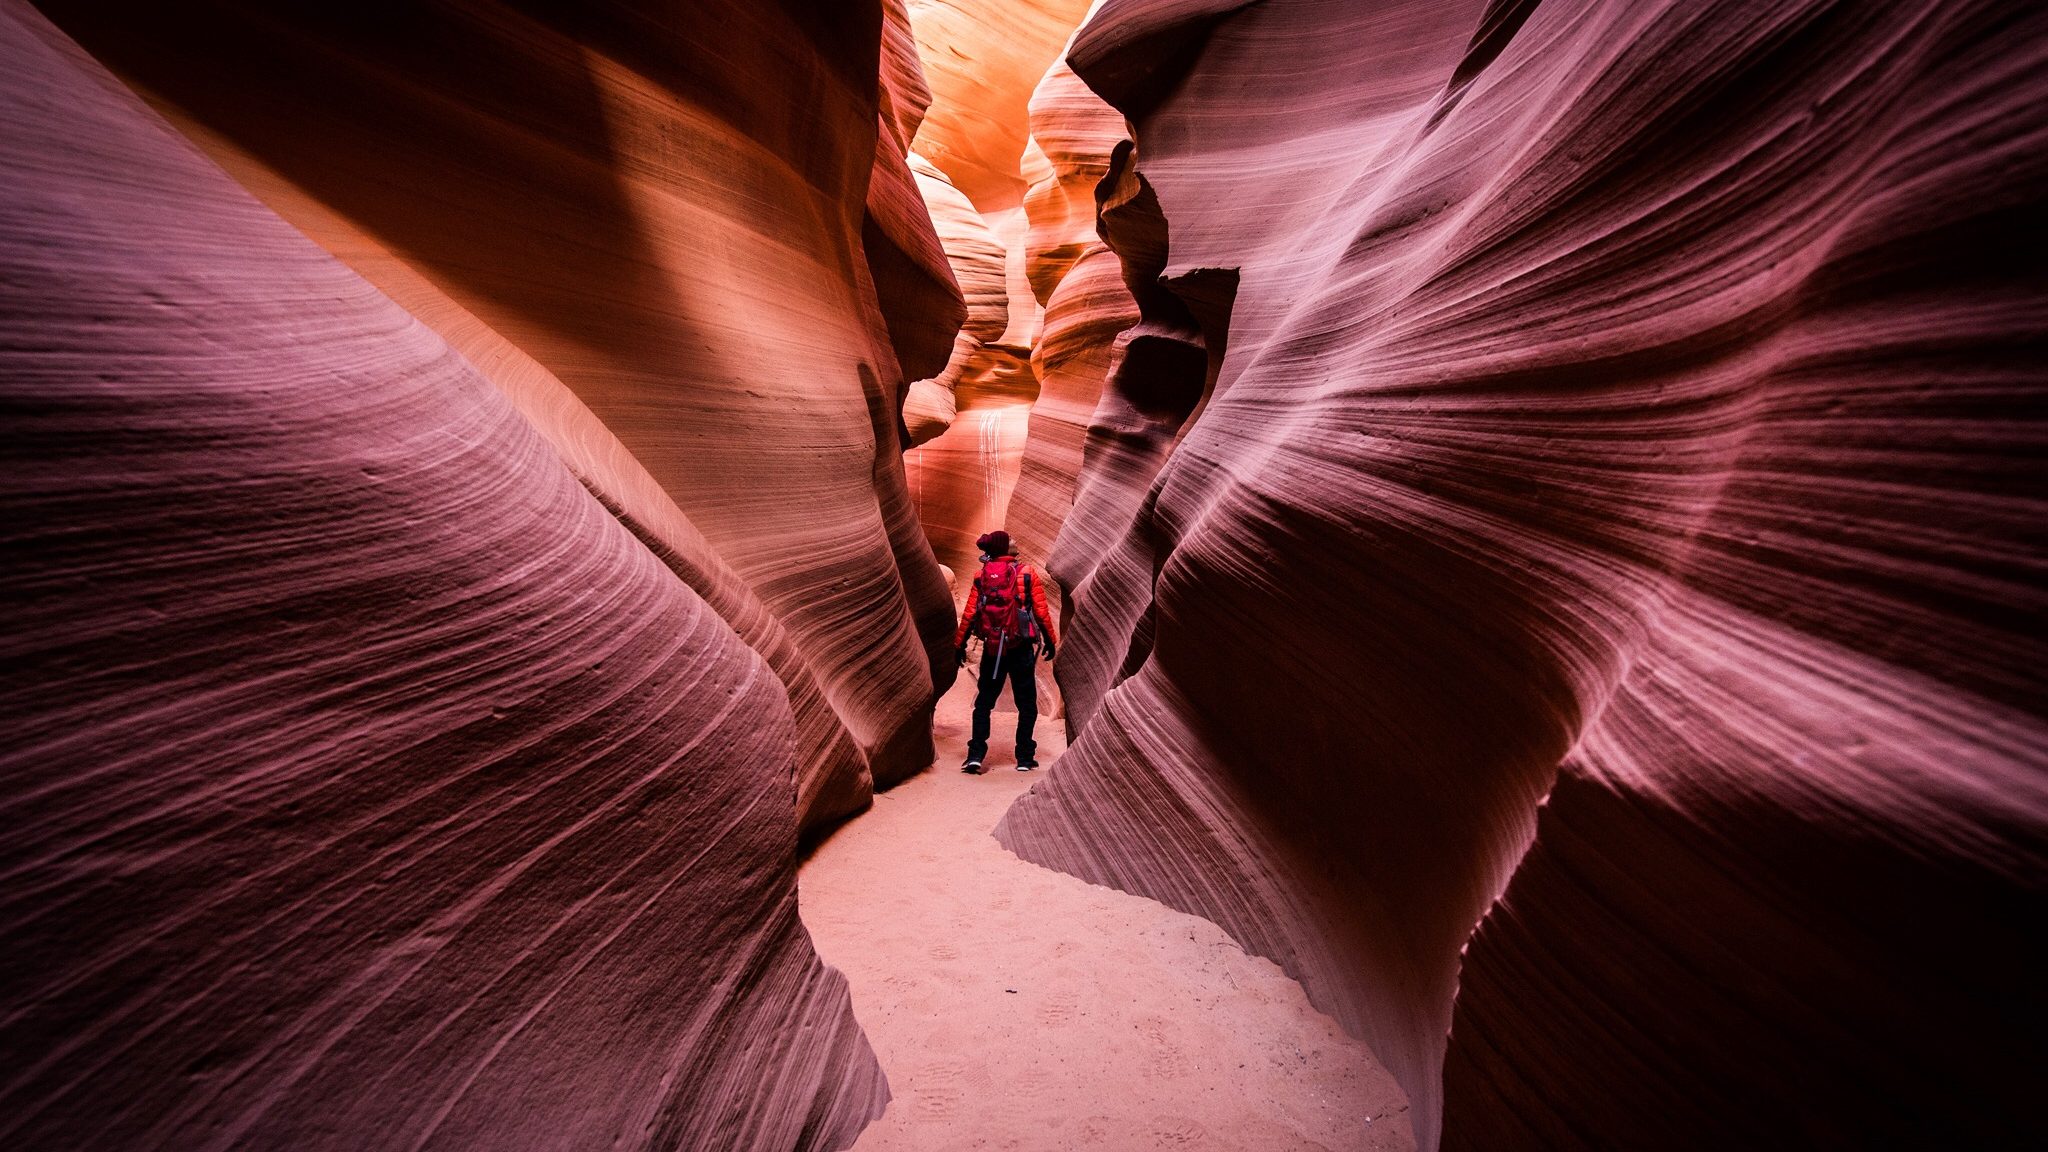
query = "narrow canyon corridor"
x=1527 y=521
x=1018 y=1008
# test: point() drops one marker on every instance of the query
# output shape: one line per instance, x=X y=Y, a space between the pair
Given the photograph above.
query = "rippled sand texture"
x=1591 y=633
x=660 y=258
x=368 y=783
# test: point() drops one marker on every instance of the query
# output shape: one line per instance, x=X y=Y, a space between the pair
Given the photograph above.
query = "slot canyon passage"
x=1543 y=502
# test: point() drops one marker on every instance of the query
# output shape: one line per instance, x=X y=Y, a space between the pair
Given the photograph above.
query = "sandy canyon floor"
x=1018 y=1008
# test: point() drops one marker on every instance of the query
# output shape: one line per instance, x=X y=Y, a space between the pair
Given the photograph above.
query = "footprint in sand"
x=939 y=1092
x=1172 y=1132
x=1094 y=1132
x=1025 y=1093
x=1031 y=1082
x=1059 y=1009
x=1164 y=1057
x=982 y=1080
x=944 y=952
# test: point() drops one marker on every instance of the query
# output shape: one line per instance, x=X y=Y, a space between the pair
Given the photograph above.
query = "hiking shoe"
x=972 y=767
x=1026 y=765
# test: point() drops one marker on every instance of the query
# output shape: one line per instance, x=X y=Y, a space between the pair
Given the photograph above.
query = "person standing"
x=1006 y=610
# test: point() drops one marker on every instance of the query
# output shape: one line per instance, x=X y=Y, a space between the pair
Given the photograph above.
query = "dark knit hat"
x=996 y=543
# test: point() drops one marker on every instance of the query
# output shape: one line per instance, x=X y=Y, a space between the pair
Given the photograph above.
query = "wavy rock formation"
x=982 y=58
x=1079 y=280
x=695 y=285
x=915 y=287
x=369 y=784
x=961 y=480
x=976 y=256
x=1591 y=633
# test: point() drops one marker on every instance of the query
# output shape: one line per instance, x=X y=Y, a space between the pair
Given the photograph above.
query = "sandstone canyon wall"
x=1591 y=633
x=1079 y=280
x=696 y=284
x=983 y=59
x=442 y=581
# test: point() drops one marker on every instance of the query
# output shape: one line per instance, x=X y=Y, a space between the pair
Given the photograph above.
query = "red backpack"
x=1005 y=590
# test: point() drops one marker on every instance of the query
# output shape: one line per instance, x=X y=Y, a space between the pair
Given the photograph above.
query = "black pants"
x=1019 y=666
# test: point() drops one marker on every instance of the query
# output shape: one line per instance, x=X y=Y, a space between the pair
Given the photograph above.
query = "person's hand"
x=960 y=654
x=1048 y=648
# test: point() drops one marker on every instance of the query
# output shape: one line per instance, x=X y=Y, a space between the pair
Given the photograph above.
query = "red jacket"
x=1038 y=608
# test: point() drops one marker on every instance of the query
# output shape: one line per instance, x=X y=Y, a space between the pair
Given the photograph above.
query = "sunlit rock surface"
x=914 y=279
x=962 y=479
x=970 y=423
x=976 y=256
x=1591 y=631
x=660 y=259
x=369 y=784
x=982 y=58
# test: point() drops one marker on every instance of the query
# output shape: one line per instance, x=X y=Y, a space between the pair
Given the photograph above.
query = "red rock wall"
x=921 y=302
x=1079 y=280
x=971 y=422
x=982 y=59
x=975 y=254
x=696 y=285
x=1591 y=631
x=370 y=785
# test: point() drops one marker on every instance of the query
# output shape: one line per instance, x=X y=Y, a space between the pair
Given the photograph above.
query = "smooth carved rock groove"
x=975 y=255
x=1591 y=632
x=368 y=783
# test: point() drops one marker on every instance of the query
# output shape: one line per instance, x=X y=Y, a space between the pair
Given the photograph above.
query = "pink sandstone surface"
x=915 y=284
x=731 y=273
x=1591 y=630
x=369 y=783
x=975 y=255
x=1079 y=280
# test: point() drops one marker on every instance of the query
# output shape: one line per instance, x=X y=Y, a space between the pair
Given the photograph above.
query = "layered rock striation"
x=374 y=777
x=982 y=59
x=971 y=421
x=977 y=259
x=1088 y=308
x=1590 y=631
x=914 y=269
x=704 y=290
